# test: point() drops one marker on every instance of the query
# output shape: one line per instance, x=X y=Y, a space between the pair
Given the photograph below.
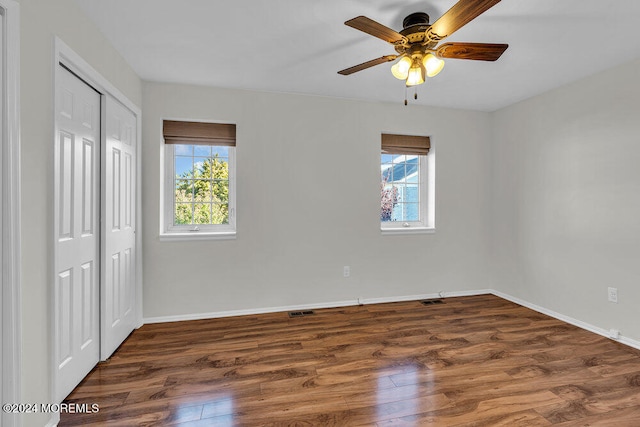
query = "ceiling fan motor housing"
x=418 y=18
x=415 y=27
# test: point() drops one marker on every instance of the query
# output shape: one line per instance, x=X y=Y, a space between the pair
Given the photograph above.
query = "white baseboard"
x=345 y=303
x=249 y=311
x=381 y=300
x=467 y=293
x=575 y=322
x=384 y=300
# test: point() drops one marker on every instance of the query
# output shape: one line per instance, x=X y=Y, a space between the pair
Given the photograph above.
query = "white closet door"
x=118 y=290
x=76 y=204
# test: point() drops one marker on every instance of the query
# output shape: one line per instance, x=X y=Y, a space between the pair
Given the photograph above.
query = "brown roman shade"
x=405 y=144
x=198 y=133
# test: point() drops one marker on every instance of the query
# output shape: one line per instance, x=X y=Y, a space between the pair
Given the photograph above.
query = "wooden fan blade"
x=375 y=29
x=365 y=65
x=477 y=51
x=458 y=16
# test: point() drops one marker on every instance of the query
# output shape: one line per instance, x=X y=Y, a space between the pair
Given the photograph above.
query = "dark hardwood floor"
x=471 y=361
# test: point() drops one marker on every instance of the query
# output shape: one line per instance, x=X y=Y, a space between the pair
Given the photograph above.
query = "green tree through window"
x=202 y=193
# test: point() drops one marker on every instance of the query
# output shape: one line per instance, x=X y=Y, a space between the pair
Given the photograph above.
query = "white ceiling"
x=297 y=46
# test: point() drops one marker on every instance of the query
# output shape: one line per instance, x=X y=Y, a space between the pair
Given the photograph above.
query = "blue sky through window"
x=188 y=157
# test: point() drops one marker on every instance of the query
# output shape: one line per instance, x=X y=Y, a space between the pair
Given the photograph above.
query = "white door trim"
x=10 y=371
x=64 y=55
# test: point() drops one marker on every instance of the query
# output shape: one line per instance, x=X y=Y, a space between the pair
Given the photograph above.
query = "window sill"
x=407 y=230
x=196 y=236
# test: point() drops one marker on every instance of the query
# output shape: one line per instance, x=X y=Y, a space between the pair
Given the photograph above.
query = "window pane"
x=202 y=150
x=220 y=191
x=400 y=191
x=388 y=200
x=411 y=194
x=399 y=173
x=184 y=166
x=220 y=213
x=218 y=169
x=202 y=213
x=219 y=151
x=411 y=172
x=201 y=190
x=386 y=158
x=183 y=150
x=184 y=190
x=183 y=214
x=386 y=174
x=411 y=212
x=200 y=161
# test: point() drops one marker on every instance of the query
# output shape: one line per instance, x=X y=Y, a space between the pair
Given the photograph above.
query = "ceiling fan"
x=417 y=43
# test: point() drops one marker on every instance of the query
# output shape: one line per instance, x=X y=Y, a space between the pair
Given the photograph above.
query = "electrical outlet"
x=346 y=272
x=613 y=295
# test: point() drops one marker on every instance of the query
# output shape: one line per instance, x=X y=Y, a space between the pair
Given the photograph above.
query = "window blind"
x=198 y=133
x=405 y=144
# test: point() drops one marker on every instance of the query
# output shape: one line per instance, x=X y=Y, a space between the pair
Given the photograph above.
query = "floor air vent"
x=432 y=301
x=301 y=313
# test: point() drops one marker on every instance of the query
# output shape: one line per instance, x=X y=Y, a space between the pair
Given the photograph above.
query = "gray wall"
x=566 y=199
x=40 y=22
x=308 y=204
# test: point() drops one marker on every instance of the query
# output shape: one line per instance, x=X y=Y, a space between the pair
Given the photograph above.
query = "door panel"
x=76 y=199
x=118 y=293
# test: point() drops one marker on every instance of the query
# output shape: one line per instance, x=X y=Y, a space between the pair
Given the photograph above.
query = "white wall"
x=566 y=199
x=309 y=201
x=40 y=22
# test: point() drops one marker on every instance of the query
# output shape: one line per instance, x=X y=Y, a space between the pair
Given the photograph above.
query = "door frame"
x=64 y=55
x=10 y=368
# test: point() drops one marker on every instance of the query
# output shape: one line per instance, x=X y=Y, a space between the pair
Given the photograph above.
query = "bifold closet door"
x=76 y=230
x=119 y=272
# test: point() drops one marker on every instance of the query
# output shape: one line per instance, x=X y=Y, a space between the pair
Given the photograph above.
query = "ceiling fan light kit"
x=400 y=69
x=417 y=73
x=432 y=64
x=417 y=44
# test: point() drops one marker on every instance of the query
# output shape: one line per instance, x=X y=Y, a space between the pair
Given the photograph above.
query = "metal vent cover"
x=431 y=301
x=301 y=313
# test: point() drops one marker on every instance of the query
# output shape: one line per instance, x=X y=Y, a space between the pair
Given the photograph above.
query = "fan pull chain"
x=415 y=95
x=405 y=95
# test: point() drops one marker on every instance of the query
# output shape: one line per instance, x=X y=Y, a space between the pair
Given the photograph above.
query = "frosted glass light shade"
x=400 y=69
x=416 y=75
x=432 y=64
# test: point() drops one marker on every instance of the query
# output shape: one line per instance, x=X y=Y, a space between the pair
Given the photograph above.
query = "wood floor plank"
x=470 y=361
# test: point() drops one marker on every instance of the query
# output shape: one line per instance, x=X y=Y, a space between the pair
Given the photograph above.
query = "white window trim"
x=427 y=210
x=171 y=232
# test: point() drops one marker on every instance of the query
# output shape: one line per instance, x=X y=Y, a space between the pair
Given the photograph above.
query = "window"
x=406 y=184
x=199 y=179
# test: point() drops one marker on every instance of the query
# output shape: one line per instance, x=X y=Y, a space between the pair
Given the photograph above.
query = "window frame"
x=426 y=224
x=169 y=230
